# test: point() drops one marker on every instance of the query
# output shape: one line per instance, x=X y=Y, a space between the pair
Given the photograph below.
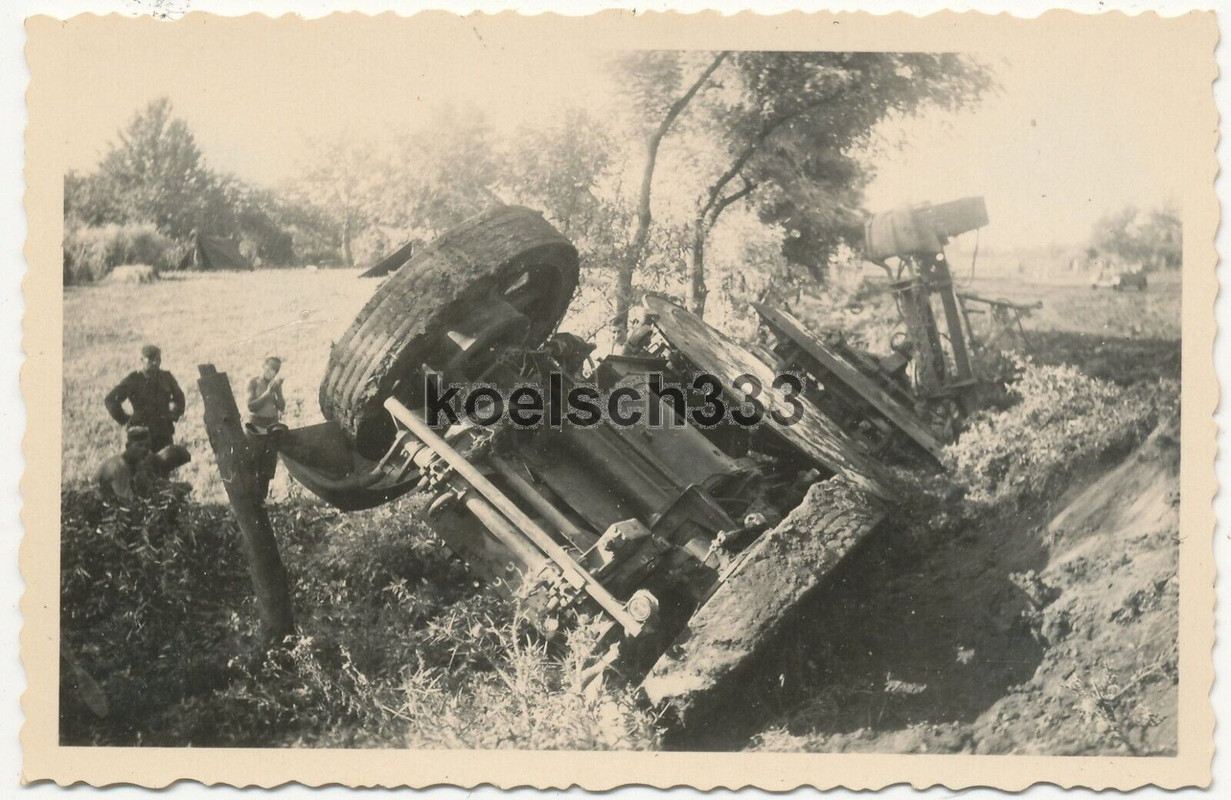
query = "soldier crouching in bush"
x=126 y=475
x=138 y=471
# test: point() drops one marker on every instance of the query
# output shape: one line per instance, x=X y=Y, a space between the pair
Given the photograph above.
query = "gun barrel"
x=916 y=230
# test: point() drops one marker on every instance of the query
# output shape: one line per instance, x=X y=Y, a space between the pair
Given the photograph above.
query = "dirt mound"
x=1111 y=630
x=986 y=640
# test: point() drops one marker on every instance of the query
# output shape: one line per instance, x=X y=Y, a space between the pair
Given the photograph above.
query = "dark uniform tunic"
x=157 y=402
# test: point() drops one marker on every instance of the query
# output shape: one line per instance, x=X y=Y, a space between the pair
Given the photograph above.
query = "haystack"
x=133 y=273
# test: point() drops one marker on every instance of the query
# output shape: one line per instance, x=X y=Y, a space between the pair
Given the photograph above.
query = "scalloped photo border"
x=58 y=52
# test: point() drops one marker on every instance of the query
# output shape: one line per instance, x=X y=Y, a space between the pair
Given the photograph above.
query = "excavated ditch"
x=986 y=638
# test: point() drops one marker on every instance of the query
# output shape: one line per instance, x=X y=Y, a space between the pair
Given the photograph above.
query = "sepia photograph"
x=434 y=386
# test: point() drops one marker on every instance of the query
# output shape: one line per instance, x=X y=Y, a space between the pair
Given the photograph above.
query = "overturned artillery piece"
x=690 y=543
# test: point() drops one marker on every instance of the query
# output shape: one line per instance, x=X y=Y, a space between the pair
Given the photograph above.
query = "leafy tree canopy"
x=1152 y=238
x=155 y=173
x=796 y=128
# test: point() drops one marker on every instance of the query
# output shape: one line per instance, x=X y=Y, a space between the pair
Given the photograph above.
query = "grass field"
x=1075 y=307
x=229 y=319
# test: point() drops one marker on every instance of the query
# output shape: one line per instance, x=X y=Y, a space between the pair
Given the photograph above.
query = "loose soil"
x=1054 y=632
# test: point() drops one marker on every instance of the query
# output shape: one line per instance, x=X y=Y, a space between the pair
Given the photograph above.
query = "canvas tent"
x=214 y=252
x=391 y=262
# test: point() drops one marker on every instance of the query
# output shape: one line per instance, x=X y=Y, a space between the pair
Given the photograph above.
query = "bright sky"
x=1060 y=145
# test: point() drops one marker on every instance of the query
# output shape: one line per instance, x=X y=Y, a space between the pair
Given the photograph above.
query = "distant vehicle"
x=1110 y=277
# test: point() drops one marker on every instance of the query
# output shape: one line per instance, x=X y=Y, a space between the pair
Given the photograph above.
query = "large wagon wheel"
x=748 y=609
x=504 y=277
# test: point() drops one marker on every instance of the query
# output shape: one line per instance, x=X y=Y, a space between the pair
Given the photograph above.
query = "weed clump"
x=1059 y=420
x=397 y=644
x=91 y=253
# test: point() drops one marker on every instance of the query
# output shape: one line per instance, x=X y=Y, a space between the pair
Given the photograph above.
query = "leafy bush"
x=403 y=647
x=1061 y=418
x=396 y=644
x=529 y=696
x=475 y=676
x=144 y=616
x=90 y=253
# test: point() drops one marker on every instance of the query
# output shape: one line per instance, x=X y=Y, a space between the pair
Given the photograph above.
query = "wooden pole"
x=237 y=466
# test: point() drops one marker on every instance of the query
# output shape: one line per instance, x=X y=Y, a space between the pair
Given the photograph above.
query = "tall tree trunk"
x=645 y=217
x=347 y=255
x=714 y=203
x=696 y=270
x=641 y=236
x=707 y=218
x=624 y=298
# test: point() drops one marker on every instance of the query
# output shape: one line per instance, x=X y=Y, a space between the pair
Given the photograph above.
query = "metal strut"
x=466 y=473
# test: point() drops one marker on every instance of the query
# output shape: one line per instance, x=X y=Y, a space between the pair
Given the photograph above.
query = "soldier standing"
x=156 y=400
x=265 y=401
x=266 y=404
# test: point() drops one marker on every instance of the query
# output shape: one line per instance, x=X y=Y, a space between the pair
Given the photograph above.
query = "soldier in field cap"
x=155 y=399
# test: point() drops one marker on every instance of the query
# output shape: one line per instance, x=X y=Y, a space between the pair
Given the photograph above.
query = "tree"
x=654 y=81
x=558 y=168
x=263 y=219
x=341 y=177
x=441 y=174
x=573 y=169
x=86 y=201
x=155 y=173
x=1152 y=238
x=791 y=128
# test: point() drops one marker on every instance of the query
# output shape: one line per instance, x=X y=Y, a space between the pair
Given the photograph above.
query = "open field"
x=955 y=629
x=1077 y=308
x=223 y=318
x=226 y=319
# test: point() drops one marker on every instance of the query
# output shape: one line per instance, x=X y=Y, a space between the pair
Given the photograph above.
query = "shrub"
x=522 y=694
x=144 y=594
x=1060 y=420
x=90 y=253
x=396 y=643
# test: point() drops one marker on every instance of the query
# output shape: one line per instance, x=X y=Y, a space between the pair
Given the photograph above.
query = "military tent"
x=214 y=252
